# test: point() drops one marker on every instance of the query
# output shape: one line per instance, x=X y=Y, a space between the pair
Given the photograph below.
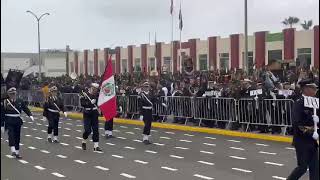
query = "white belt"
x=91 y=108
x=52 y=110
x=146 y=107
x=12 y=115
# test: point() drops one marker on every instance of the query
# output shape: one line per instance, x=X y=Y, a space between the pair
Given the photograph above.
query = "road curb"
x=285 y=139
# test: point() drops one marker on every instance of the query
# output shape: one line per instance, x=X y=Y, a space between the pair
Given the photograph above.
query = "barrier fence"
x=267 y=112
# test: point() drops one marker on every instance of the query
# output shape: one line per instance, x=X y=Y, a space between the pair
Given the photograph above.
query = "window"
x=81 y=67
x=90 y=70
x=250 y=61
x=152 y=64
x=274 y=55
x=137 y=64
x=167 y=63
x=203 y=62
x=101 y=67
x=71 y=67
x=224 y=61
x=304 y=57
x=124 y=65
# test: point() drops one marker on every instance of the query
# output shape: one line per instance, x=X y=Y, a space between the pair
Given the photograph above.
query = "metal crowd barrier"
x=71 y=100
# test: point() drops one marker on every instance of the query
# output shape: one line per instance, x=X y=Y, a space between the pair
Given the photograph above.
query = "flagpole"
x=180 y=47
x=171 y=38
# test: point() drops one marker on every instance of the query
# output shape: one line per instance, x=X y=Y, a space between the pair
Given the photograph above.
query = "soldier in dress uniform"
x=51 y=111
x=90 y=116
x=304 y=136
x=11 y=118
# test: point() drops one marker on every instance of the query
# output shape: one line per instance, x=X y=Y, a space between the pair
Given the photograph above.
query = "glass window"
x=124 y=65
x=167 y=63
x=101 y=67
x=274 y=55
x=304 y=57
x=224 y=61
x=152 y=64
x=203 y=62
x=137 y=64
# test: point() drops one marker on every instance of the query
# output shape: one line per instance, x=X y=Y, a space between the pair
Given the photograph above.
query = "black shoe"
x=109 y=136
x=84 y=146
x=55 y=141
x=146 y=142
x=18 y=156
x=49 y=140
x=97 y=149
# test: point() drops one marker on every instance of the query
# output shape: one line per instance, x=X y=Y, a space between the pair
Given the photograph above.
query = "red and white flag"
x=107 y=101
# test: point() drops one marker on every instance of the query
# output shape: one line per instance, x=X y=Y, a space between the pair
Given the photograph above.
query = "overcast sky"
x=92 y=24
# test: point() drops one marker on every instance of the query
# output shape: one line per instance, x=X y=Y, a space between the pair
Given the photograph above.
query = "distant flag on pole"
x=171 y=7
x=107 y=97
x=180 y=19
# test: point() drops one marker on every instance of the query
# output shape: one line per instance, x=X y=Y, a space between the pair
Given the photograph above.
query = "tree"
x=306 y=25
x=291 y=21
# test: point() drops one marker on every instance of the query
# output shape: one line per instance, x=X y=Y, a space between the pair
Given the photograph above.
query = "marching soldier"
x=304 y=136
x=51 y=111
x=10 y=112
x=90 y=116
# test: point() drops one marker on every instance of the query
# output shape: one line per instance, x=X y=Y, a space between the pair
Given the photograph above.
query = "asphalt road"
x=174 y=155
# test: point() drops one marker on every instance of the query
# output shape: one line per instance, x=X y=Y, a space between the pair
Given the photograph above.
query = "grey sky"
x=99 y=23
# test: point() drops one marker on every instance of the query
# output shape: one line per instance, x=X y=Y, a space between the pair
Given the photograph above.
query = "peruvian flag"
x=107 y=96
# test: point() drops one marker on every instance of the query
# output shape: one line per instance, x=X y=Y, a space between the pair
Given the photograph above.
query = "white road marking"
x=78 y=130
x=78 y=147
x=21 y=144
x=40 y=168
x=30 y=122
x=45 y=151
x=203 y=177
x=178 y=157
x=207 y=152
x=231 y=140
x=62 y=156
x=242 y=170
x=121 y=137
x=169 y=132
x=152 y=152
x=44 y=131
x=141 y=162
x=25 y=127
x=28 y=135
x=130 y=132
x=207 y=163
x=184 y=140
x=110 y=144
x=158 y=144
x=127 y=175
x=125 y=127
x=58 y=175
x=237 y=157
x=66 y=135
x=79 y=138
x=101 y=128
x=69 y=123
x=265 y=145
x=153 y=130
x=190 y=135
x=39 y=124
x=38 y=137
x=9 y=156
x=183 y=148
x=116 y=130
x=136 y=140
x=64 y=144
x=290 y=148
x=68 y=129
x=138 y=129
x=127 y=147
x=263 y=152
x=79 y=161
x=236 y=148
x=79 y=125
x=31 y=147
x=102 y=168
x=272 y=163
x=23 y=161
x=210 y=138
x=278 y=177
x=117 y=156
x=34 y=129
x=162 y=137
x=209 y=144
x=168 y=168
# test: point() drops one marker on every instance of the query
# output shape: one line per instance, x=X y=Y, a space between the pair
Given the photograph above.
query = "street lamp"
x=38 y=21
x=246 y=35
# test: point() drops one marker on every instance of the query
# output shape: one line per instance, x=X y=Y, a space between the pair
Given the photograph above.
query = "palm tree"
x=290 y=21
x=306 y=25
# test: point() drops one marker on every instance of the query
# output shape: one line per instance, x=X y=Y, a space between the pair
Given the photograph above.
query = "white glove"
x=315 y=136
x=163 y=104
x=31 y=117
x=93 y=101
x=2 y=129
x=141 y=118
x=65 y=114
x=120 y=108
x=315 y=119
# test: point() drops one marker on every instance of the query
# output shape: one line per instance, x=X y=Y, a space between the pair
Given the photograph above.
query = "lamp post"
x=246 y=35
x=38 y=21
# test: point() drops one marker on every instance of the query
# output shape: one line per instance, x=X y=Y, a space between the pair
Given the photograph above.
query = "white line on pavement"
x=278 y=177
x=62 y=156
x=152 y=130
x=181 y=148
x=40 y=168
x=152 y=152
x=158 y=144
x=236 y=148
x=178 y=157
x=110 y=144
x=78 y=147
x=79 y=125
x=130 y=132
x=169 y=132
x=203 y=177
x=136 y=140
x=121 y=137
x=162 y=137
x=9 y=156
x=25 y=127
x=116 y=130
x=79 y=161
x=78 y=130
x=28 y=135
x=69 y=123
x=141 y=162
x=102 y=168
x=45 y=151
x=79 y=138
x=207 y=163
x=117 y=156
x=263 y=152
x=23 y=161
x=258 y=144
x=58 y=175
x=31 y=147
x=272 y=163
x=127 y=175
x=242 y=170
x=231 y=140
x=44 y=131
x=209 y=144
x=184 y=140
x=137 y=128
x=237 y=157
x=64 y=144
x=128 y=147
x=168 y=168
x=207 y=152
x=66 y=135
x=38 y=137
x=124 y=127
x=290 y=148
x=68 y=129
x=190 y=135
